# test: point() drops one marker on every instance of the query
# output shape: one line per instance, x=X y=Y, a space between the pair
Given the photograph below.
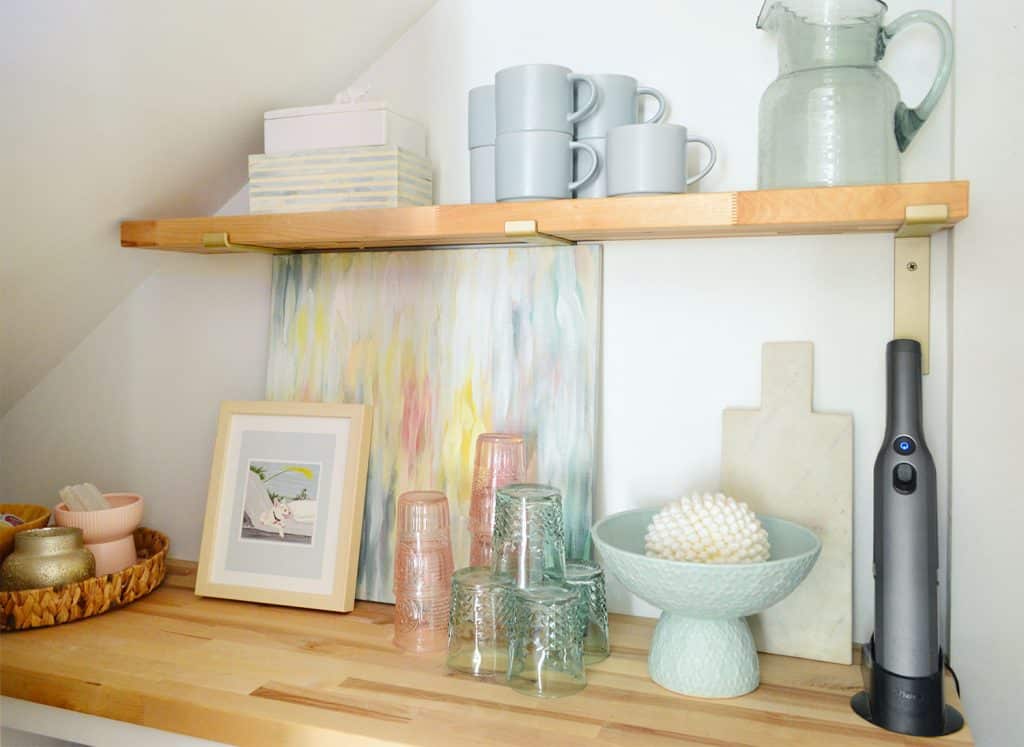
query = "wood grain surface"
x=252 y=674
x=756 y=213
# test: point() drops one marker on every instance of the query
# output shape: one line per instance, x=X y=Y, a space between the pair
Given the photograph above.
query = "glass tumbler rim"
x=422 y=497
x=478 y=577
x=501 y=437
x=422 y=513
x=548 y=593
x=529 y=493
x=581 y=571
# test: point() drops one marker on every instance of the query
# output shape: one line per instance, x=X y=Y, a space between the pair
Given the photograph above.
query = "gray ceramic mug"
x=618 y=99
x=540 y=97
x=481 y=174
x=651 y=159
x=481 y=144
x=481 y=116
x=537 y=165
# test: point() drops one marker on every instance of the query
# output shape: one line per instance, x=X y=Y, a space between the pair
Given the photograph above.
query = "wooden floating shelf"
x=874 y=208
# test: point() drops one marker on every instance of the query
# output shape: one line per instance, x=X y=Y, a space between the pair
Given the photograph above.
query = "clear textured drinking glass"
x=546 y=642
x=587 y=579
x=423 y=571
x=500 y=460
x=478 y=625
x=529 y=539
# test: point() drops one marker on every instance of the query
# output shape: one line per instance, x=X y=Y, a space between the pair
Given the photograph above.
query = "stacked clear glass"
x=587 y=580
x=478 y=625
x=521 y=618
x=529 y=538
x=546 y=642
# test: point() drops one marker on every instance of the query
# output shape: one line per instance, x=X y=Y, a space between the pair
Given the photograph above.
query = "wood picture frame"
x=284 y=511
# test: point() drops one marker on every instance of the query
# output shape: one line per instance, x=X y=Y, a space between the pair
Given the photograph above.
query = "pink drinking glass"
x=500 y=461
x=423 y=571
x=481 y=549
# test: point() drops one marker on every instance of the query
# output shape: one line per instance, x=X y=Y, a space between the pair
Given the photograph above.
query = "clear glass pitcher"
x=833 y=116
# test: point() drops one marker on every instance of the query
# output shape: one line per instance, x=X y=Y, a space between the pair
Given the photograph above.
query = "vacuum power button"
x=904 y=478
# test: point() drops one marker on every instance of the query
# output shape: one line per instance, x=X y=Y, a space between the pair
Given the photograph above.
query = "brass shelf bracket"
x=221 y=241
x=912 y=268
x=525 y=231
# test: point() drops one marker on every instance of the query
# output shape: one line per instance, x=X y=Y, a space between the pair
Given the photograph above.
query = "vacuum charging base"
x=906 y=705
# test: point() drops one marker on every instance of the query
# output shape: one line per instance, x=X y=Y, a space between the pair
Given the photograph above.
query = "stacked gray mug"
x=539 y=126
x=534 y=119
x=481 y=144
x=618 y=104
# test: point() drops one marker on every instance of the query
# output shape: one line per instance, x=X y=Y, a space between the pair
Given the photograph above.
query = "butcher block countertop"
x=260 y=675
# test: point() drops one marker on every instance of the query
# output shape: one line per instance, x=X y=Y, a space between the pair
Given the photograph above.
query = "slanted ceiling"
x=120 y=108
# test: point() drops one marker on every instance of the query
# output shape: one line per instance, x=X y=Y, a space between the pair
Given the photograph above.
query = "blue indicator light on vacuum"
x=905 y=445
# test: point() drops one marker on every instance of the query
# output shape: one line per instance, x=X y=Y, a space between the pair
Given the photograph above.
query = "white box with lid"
x=337 y=125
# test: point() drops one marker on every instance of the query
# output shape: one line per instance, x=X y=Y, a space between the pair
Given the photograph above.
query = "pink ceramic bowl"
x=115 y=556
x=105 y=525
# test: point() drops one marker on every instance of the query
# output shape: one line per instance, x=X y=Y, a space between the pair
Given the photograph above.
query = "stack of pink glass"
x=500 y=461
x=423 y=571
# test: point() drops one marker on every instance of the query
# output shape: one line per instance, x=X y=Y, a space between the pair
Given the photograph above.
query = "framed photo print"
x=284 y=513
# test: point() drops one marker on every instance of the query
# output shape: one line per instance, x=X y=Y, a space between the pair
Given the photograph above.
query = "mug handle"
x=657 y=96
x=711 y=162
x=587 y=109
x=576 y=145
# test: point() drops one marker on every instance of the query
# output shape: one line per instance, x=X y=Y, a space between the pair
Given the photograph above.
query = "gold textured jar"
x=47 y=557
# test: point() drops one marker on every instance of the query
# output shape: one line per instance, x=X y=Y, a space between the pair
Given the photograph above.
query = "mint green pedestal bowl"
x=702 y=645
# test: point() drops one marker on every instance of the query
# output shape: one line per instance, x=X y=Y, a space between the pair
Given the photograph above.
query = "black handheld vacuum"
x=903 y=664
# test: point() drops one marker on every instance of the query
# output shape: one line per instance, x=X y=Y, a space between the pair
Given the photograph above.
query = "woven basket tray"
x=37 y=608
x=35 y=517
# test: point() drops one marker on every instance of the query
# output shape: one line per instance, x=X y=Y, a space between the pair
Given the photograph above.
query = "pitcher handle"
x=712 y=157
x=909 y=121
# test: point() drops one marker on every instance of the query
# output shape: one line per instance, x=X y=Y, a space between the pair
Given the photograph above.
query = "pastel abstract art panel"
x=447 y=344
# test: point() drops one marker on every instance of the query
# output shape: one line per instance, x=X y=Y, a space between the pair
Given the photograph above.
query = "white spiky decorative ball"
x=707 y=529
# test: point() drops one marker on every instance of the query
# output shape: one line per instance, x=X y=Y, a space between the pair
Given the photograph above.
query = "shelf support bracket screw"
x=912 y=252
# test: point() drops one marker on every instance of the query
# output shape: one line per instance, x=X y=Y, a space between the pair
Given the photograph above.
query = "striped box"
x=373 y=176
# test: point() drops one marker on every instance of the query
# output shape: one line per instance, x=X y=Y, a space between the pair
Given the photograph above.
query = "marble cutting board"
x=788 y=461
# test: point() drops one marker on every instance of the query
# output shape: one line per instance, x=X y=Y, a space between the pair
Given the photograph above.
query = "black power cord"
x=956 y=680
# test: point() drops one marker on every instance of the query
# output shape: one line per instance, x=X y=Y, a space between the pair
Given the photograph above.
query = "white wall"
x=134 y=406
x=988 y=358
x=115 y=109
